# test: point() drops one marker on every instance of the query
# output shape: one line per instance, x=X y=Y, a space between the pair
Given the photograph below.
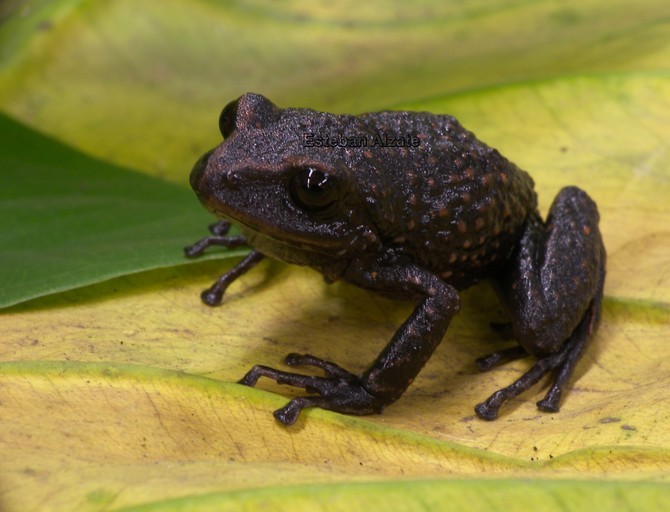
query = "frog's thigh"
x=556 y=273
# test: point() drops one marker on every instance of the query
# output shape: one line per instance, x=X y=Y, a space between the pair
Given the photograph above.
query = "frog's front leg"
x=553 y=288
x=396 y=366
x=212 y=296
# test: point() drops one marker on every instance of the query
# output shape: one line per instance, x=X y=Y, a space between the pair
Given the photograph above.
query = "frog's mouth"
x=285 y=240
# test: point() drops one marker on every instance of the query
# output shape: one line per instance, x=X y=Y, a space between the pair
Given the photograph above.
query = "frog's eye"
x=227 y=119
x=312 y=189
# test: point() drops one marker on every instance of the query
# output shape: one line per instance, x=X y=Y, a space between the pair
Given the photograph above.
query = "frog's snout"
x=198 y=172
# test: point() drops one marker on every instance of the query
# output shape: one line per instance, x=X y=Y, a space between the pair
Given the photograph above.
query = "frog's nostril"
x=199 y=170
x=232 y=179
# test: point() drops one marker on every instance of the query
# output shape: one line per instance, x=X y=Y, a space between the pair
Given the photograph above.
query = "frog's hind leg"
x=553 y=288
x=563 y=362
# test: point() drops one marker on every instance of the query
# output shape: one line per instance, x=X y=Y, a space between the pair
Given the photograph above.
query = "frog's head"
x=291 y=201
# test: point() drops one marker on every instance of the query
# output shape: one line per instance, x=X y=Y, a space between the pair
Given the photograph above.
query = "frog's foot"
x=212 y=296
x=563 y=361
x=339 y=390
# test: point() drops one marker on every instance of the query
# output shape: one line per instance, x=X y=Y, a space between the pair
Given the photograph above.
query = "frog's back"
x=452 y=203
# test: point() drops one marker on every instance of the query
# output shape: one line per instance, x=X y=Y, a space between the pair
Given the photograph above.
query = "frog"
x=413 y=206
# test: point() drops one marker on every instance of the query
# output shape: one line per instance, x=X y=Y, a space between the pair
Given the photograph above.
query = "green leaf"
x=472 y=495
x=69 y=220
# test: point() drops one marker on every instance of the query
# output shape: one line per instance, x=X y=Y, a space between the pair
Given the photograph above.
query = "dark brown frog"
x=412 y=205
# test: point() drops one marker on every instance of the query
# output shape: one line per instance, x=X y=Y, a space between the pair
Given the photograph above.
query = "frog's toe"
x=497 y=358
x=348 y=399
x=290 y=412
x=329 y=368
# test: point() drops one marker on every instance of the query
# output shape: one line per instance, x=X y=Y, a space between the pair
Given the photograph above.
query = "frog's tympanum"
x=411 y=205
